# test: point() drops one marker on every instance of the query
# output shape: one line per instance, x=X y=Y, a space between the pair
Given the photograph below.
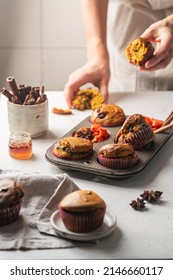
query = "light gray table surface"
x=138 y=235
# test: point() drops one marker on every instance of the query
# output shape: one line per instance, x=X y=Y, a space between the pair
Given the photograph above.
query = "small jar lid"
x=19 y=138
x=20 y=135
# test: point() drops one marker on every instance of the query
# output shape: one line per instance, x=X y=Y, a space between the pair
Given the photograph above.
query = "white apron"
x=127 y=19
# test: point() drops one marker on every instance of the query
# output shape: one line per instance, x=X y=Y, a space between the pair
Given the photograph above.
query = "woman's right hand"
x=161 y=33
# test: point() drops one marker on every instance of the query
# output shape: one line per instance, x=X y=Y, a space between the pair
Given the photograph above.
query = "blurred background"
x=41 y=41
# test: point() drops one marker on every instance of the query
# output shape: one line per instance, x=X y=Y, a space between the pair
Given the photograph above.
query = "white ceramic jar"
x=29 y=118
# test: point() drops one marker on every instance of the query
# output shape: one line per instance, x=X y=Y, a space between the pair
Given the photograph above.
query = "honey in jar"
x=20 y=145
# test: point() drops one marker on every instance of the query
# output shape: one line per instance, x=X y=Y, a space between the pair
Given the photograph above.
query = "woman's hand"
x=94 y=71
x=160 y=33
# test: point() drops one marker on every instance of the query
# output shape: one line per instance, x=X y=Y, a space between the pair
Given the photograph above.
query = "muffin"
x=139 y=51
x=96 y=133
x=88 y=98
x=11 y=195
x=73 y=148
x=117 y=156
x=82 y=211
x=108 y=115
x=135 y=131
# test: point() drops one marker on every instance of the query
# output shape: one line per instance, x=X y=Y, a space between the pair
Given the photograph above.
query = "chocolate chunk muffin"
x=82 y=211
x=135 y=131
x=73 y=148
x=108 y=115
x=117 y=156
x=11 y=195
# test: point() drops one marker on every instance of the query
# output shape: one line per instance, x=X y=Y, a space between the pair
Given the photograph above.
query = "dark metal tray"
x=92 y=166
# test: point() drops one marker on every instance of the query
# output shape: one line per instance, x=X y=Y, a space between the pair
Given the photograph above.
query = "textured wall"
x=41 y=41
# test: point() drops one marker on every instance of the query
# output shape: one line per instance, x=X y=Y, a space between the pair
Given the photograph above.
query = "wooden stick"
x=163 y=128
x=168 y=119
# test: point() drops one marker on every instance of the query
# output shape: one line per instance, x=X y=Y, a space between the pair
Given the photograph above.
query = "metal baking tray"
x=91 y=164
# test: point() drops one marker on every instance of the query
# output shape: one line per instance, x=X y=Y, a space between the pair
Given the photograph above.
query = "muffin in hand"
x=11 y=195
x=139 y=51
x=82 y=211
x=135 y=131
x=117 y=156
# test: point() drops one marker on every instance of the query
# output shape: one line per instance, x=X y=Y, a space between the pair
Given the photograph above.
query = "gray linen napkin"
x=33 y=230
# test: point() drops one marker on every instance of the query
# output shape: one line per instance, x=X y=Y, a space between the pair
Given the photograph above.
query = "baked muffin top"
x=131 y=125
x=74 y=144
x=108 y=115
x=116 y=151
x=81 y=201
x=10 y=193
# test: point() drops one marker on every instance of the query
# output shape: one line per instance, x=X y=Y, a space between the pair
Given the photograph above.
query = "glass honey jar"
x=20 y=145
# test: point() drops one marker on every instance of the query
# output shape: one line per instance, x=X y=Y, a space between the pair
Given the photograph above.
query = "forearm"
x=95 y=23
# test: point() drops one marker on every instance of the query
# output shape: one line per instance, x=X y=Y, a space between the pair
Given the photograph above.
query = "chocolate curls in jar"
x=23 y=95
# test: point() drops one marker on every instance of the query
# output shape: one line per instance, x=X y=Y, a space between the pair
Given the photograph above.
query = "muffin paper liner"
x=141 y=138
x=10 y=214
x=118 y=163
x=83 y=222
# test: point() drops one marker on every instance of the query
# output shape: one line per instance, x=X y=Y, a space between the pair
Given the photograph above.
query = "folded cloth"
x=33 y=230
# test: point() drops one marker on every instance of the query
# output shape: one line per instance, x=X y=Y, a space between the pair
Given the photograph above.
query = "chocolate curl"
x=36 y=91
x=13 y=86
x=38 y=101
x=23 y=92
x=29 y=100
x=43 y=97
x=5 y=92
x=15 y=100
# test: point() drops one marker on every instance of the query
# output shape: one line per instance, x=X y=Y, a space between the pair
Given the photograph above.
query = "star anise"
x=138 y=204
x=151 y=196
